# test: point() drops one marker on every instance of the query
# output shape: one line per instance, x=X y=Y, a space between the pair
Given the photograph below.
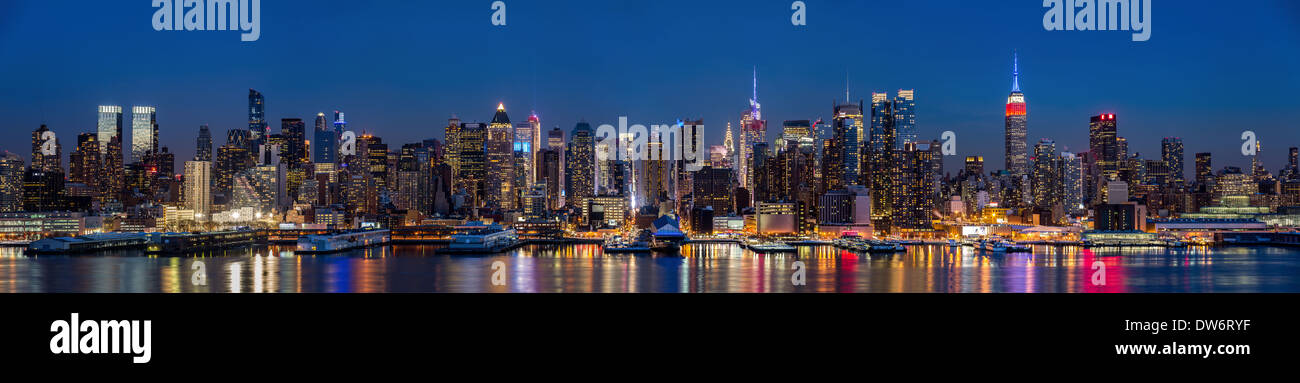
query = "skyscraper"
x=580 y=174
x=499 y=180
x=294 y=131
x=847 y=128
x=913 y=185
x=1292 y=170
x=555 y=141
x=40 y=161
x=324 y=141
x=257 y=125
x=294 y=154
x=549 y=174
x=198 y=187
x=1072 y=183
x=975 y=166
x=452 y=133
x=879 y=169
x=203 y=145
x=112 y=175
x=753 y=130
x=12 y=171
x=83 y=164
x=110 y=125
x=1017 y=127
x=1204 y=169
x=525 y=161
x=1104 y=147
x=538 y=142
x=144 y=132
x=1171 y=151
x=472 y=160
x=905 y=117
x=1046 y=178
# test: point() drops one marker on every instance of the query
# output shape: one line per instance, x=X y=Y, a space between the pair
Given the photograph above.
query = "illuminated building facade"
x=1017 y=126
x=144 y=132
x=499 y=180
x=580 y=174
x=12 y=171
x=198 y=187
x=1171 y=152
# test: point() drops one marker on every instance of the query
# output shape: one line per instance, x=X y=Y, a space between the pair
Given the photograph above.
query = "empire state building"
x=1017 y=129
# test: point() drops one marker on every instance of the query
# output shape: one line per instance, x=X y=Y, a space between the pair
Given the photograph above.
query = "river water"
x=700 y=268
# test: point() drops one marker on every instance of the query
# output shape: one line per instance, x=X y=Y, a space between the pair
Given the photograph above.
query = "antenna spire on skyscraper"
x=1015 y=71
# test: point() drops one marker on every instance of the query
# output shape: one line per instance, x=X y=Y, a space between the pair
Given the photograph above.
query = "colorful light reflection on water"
x=700 y=268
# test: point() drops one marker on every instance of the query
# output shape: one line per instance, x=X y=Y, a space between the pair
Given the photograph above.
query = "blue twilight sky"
x=399 y=69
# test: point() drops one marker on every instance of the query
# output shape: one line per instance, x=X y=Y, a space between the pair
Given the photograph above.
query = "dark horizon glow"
x=400 y=69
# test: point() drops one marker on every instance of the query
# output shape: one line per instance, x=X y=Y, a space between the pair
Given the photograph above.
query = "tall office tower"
x=1046 y=180
x=848 y=129
x=1171 y=151
x=374 y=154
x=753 y=130
x=407 y=190
x=294 y=131
x=1017 y=133
x=110 y=125
x=798 y=131
x=580 y=175
x=912 y=189
x=878 y=165
x=203 y=145
x=340 y=126
x=451 y=133
x=114 y=172
x=656 y=166
x=40 y=161
x=549 y=174
x=1104 y=147
x=555 y=141
x=198 y=187
x=257 y=127
x=499 y=180
x=538 y=142
x=1072 y=183
x=472 y=160
x=83 y=163
x=525 y=161
x=1204 y=169
x=762 y=179
x=144 y=132
x=974 y=166
x=232 y=160
x=325 y=141
x=730 y=144
x=1292 y=170
x=294 y=154
x=12 y=170
x=905 y=117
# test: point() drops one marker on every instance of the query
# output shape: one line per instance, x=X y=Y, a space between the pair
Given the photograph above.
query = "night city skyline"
x=671 y=61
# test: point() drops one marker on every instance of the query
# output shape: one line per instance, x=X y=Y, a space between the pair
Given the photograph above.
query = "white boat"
x=477 y=238
x=771 y=247
x=995 y=246
x=347 y=240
